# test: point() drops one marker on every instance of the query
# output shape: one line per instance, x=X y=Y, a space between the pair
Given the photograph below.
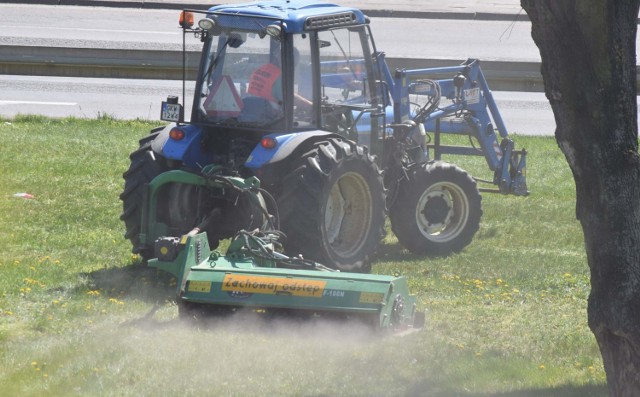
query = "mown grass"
x=506 y=317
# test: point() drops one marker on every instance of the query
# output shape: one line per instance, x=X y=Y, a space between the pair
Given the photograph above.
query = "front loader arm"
x=470 y=109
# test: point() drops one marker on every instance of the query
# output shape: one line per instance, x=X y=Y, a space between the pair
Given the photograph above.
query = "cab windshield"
x=242 y=82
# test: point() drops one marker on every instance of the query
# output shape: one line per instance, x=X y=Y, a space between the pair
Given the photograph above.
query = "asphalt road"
x=524 y=113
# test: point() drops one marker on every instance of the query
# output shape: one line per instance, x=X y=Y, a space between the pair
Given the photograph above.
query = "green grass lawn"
x=506 y=317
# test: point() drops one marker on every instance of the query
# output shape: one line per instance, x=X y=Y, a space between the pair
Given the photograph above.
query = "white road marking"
x=38 y=103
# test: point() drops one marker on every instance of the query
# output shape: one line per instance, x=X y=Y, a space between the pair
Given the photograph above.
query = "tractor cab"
x=280 y=69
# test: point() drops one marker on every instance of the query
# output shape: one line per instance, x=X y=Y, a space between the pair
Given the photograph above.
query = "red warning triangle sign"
x=223 y=100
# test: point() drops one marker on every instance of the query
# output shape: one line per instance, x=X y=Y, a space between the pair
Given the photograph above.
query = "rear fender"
x=285 y=146
x=188 y=150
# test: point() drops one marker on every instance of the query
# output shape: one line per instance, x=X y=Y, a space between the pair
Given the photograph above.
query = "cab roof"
x=297 y=15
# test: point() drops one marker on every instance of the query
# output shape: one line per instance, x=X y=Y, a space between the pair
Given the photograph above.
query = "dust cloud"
x=247 y=355
x=134 y=353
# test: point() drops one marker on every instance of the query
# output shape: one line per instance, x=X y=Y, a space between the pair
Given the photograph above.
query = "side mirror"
x=237 y=39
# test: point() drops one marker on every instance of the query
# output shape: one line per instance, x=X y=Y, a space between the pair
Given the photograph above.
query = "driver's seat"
x=257 y=110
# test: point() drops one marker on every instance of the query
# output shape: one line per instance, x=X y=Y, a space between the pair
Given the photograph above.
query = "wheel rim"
x=442 y=212
x=347 y=216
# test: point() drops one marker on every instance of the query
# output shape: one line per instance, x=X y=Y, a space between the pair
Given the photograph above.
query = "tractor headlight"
x=274 y=31
x=207 y=24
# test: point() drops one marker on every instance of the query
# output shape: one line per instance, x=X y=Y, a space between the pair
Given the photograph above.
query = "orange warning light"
x=186 y=19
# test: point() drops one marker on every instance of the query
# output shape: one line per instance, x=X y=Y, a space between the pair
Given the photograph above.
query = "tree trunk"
x=588 y=66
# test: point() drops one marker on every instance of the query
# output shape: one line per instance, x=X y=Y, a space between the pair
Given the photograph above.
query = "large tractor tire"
x=145 y=165
x=437 y=209
x=332 y=206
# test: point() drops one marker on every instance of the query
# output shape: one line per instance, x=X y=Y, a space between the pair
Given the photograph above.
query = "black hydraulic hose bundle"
x=256 y=243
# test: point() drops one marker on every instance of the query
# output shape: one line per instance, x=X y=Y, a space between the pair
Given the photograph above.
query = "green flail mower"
x=255 y=276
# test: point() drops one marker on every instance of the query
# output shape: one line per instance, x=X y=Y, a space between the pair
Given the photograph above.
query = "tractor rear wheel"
x=332 y=206
x=437 y=210
x=145 y=165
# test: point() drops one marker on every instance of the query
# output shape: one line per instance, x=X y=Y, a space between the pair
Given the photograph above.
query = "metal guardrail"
x=93 y=62
x=501 y=75
x=167 y=65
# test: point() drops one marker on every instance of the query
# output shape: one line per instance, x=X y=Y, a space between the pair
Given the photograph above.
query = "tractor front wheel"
x=332 y=206
x=437 y=210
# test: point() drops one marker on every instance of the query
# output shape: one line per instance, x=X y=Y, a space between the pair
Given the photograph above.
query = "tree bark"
x=589 y=70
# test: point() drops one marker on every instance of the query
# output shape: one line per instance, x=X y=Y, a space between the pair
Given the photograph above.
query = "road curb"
x=375 y=13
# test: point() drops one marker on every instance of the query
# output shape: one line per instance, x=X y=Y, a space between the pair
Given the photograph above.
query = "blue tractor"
x=298 y=123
